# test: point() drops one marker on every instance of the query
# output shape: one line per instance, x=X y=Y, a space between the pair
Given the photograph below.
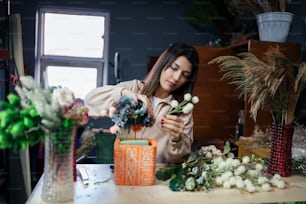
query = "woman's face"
x=174 y=76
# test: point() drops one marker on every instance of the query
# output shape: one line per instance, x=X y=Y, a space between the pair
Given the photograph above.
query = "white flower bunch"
x=247 y=175
x=32 y=94
x=51 y=104
x=185 y=107
x=210 y=168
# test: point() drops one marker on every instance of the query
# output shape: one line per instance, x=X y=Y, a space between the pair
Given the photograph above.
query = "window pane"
x=80 y=80
x=73 y=35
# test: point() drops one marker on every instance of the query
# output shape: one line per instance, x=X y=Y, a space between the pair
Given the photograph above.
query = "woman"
x=173 y=75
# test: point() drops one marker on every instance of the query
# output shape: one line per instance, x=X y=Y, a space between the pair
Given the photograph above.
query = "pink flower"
x=111 y=111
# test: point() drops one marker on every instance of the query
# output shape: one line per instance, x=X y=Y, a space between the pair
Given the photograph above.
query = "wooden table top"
x=101 y=189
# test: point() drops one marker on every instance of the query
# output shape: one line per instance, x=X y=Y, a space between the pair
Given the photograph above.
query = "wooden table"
x=101 y=189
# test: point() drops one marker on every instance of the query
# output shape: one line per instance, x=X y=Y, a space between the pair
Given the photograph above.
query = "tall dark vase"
x=281 y=144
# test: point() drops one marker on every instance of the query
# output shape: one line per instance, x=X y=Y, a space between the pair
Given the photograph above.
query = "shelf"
x=4 y=55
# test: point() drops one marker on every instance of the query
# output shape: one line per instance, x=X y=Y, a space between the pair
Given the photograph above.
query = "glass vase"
x=58 y=182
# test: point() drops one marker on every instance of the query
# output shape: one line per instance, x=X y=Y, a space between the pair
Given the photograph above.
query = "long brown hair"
x=174 y=51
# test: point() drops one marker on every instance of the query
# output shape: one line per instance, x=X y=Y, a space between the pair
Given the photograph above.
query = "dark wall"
x=138 y=29
x=297 y=32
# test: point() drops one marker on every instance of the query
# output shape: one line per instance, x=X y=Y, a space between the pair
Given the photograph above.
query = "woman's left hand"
x=174 y=125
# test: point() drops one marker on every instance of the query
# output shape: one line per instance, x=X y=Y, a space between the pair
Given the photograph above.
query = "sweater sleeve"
x=178 y=151
x=102 y=98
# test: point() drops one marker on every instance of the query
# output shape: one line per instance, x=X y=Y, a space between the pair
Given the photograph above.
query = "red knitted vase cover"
x=281 y=144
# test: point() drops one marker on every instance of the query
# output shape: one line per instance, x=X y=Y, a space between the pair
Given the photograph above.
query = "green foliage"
x=19 y=127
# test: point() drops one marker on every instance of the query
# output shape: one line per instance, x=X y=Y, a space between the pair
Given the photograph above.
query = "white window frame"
x=43 y=61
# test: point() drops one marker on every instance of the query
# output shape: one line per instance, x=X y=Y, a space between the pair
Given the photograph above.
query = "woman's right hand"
x=141 y=97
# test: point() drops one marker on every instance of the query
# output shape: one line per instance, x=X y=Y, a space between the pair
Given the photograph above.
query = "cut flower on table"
x=210 y=168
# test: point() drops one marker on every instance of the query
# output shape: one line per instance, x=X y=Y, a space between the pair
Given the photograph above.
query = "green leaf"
x=33 y=113
x=17 y=128
x=227 y=148
x=176 y=184
x=24 y=145
x=28 y=122
x=178 y=171
x=163 y=174
x=13 y=99
x=192 y=157
x=4 y=105
x=168 y=172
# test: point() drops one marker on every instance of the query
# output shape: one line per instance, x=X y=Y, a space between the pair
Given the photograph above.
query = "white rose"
x=252 y=173
x=187 y=97
x=187 y=108
x=266 y=187
x=262 y=180
x=277 y=177
x=64 y=97
x=219 y=180
x=226 y=184
x=240 y=170
x=174 y=103
x=217 y=160
x=248 y=182
x=230 y=155
x=236 y=162
x=245 y=159
x=195 y=100
x=226 y=175
x=233 y=180
x=250 y=188
x=258 y=167
x=239 y=183
x=278 y=183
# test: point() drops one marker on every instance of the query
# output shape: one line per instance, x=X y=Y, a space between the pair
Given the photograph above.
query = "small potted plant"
x=275 y=84
x=272 y=18
x=134 y=158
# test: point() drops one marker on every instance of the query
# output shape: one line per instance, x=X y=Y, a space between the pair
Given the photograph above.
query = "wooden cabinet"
x=216 y=115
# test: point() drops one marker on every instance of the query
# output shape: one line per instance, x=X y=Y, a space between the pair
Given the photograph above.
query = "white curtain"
x=17 y=55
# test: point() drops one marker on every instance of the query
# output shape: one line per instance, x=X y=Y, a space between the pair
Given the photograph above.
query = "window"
x=72 y=48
